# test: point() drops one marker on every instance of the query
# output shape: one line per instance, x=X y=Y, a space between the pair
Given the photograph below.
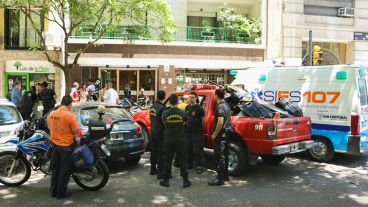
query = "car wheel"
x=147 y=138
x=132 y=160
x=322 y=150
x=273 y=159
x=238 y=159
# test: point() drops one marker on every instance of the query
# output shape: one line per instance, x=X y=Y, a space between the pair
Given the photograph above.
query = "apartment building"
x=203 y=50
x=339 y=28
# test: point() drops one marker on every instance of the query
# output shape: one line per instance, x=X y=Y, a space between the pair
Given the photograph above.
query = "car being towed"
x=125 y=140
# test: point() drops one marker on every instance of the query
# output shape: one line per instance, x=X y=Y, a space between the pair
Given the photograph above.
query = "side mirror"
x=33 y=116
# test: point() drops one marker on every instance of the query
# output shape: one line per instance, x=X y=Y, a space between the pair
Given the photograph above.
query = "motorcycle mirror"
x=33 y=116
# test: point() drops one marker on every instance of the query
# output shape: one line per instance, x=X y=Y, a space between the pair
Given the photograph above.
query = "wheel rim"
x=145 y=136
x=97 y=177
x=233 y=161
x=319 y=149
x=19 y=171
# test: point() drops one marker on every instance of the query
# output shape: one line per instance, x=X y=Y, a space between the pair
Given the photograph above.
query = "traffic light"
x=317 y=55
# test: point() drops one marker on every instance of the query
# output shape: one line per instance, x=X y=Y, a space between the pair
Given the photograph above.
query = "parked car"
x=126 y=139
x=269 y=138
x=10 y=118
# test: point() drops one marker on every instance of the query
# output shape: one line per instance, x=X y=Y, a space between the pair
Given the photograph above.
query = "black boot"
x=186 y=182
x=218 y=181
x=165 y=182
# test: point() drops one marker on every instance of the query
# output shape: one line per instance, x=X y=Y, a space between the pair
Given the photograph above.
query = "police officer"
x=222 y=121
x=195 y=124
x=157 y=126
x=175 y=141
x=63 y=126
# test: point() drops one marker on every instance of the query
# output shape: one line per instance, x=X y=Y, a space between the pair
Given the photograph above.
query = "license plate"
x=294 y=147
x=106 y=151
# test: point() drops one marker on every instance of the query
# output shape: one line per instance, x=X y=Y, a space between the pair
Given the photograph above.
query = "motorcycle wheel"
x=98 y=182
x=21 y=170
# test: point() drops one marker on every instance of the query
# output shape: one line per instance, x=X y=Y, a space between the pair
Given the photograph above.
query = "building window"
x=19 y=32
x=326 y=8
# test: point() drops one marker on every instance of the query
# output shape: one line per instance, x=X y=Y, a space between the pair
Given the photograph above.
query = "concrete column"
x=164 y=79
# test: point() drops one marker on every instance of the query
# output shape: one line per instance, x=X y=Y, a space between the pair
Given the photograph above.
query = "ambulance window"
x=363 y=91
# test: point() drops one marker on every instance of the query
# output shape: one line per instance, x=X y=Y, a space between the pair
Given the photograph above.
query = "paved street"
x=295 y=182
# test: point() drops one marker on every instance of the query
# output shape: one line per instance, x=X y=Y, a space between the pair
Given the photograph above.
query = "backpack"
x=256 y=110
x=289 y=107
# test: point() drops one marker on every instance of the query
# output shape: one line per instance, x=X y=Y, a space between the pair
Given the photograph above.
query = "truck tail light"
x=138 y=130
x=272 y=131
x=354 y=125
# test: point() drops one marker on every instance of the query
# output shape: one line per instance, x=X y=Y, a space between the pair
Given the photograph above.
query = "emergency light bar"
x=199 y=87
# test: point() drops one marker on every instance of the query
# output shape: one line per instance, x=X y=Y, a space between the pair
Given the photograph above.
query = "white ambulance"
x=335 y=97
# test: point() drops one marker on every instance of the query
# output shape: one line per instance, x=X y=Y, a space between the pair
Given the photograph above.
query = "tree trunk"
x=67 y=80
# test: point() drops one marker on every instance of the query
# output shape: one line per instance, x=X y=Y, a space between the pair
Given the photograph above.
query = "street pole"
x=310 y=48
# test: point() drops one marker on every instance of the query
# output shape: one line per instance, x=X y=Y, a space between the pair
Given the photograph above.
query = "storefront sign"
x=26 y=66
x=360 y=35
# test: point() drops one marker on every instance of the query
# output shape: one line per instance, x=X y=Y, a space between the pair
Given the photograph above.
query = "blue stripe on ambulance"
x=339 y=135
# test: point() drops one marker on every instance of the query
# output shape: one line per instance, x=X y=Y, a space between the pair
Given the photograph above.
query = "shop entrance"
x=11 y=78
x=135 y=80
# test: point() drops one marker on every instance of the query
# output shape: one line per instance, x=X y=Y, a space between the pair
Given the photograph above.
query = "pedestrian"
x=91 y=87
x=157 y=144
x=74 y=92
x=16 y=95
x=184 y=103
x=63 y=127
x=174 y=120
x=82 y=93
x=110 y=94
x=48 y=98
x=221 y=122
x=195 y=141
x=28 y=100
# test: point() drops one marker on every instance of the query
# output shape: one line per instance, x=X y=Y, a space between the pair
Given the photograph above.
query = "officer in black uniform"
x=195 y=152
x=222 y=121
x=157 y=126
x=175 y=141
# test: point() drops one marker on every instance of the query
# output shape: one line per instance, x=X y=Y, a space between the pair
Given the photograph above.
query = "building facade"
x=339 y=28
x=17 y=61
x=204 y=51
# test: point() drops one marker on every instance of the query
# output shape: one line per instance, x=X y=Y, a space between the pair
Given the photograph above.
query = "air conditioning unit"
x=345 y=12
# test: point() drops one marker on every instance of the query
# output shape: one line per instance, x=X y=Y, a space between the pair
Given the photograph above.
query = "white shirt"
x=111 y=96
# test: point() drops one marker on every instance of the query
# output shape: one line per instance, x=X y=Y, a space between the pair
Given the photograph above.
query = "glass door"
x=147 y=83
x=11 y=78
x=128 y=83
x=109 y=75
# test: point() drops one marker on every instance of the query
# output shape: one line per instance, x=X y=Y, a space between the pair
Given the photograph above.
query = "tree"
x=101 y=15
x=239 y=26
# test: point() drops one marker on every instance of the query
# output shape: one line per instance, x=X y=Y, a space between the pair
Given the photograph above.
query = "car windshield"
x=114 y=112
x=9 y=115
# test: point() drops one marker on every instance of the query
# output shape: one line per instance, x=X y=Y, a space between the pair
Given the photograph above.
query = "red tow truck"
x=270 y=138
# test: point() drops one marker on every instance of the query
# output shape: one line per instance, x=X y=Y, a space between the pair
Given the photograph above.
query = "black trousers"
x=195 y=143
x=221 y=155
x=61 y=168
x=157 y=152
x=175 y=146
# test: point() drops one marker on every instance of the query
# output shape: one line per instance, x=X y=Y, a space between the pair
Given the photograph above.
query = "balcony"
x=183 y=34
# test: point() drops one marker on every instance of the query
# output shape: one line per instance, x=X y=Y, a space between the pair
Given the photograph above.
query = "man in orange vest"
x=63 y=126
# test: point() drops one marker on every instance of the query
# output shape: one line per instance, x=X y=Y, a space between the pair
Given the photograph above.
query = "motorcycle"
x=32 y=146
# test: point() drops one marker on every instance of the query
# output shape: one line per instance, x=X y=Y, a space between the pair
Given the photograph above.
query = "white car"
x=10 y=119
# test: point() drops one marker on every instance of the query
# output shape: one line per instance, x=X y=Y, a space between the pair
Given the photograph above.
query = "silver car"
x=10 y=119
